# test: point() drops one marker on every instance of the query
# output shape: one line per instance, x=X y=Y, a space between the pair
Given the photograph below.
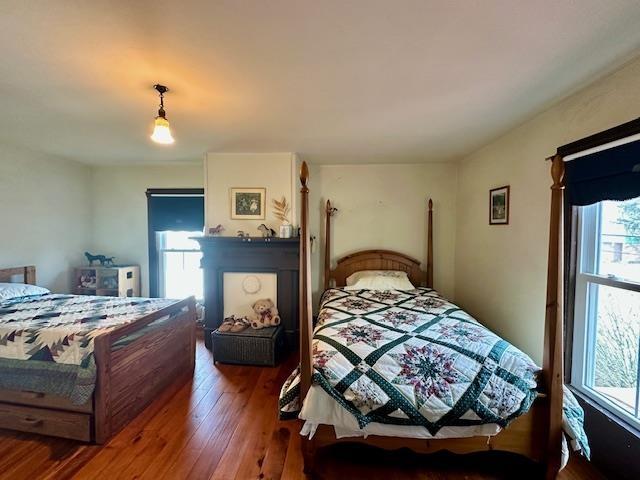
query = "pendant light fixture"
x=161 y=131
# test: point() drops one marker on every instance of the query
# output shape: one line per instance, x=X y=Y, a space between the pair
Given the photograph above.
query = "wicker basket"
x=249 y=347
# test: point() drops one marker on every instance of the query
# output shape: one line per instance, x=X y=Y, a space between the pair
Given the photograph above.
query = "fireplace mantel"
x=251 y=255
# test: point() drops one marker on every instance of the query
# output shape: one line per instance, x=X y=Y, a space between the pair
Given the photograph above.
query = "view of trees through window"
x=613 y=310
x=620 y=239
x=616 y=354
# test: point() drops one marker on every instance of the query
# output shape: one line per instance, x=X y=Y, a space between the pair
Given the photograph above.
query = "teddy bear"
x=265 y=314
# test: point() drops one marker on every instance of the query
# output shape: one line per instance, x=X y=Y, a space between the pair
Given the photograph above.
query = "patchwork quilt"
x=47 y=341
x=61 y=328
x=413 y=358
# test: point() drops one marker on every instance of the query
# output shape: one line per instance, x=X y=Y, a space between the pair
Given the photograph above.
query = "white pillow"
x=15 y=290
x=379 y=280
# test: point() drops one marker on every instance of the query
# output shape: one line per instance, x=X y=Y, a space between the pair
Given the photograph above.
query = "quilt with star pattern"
x=61 y=328
x=413 y=358
x=47 y=341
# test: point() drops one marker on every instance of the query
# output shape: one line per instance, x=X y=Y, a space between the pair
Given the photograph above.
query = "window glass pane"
x=182 y=274
x=614 y=321
x=619 y=239
x=180 y=240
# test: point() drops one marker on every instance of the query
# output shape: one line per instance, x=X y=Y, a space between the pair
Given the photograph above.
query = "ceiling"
x=336 y=81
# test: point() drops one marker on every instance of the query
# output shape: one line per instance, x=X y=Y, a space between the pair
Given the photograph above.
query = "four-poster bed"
x=536 y=434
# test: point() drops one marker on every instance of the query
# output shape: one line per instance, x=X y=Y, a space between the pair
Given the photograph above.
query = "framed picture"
x=499 y=206
x=248 y=203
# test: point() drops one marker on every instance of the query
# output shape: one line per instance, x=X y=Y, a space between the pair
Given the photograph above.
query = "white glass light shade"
x=161 y=131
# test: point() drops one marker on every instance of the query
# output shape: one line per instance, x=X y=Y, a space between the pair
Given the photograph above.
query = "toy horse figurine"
x=216 y=230
x=266 y=231
x=104 y=261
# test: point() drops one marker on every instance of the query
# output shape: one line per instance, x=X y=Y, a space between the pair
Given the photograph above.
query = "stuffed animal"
x=265 y=314
x=266 y=231
x=88 y=281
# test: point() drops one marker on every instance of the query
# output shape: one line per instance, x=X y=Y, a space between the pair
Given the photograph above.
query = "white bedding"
x=320 y=409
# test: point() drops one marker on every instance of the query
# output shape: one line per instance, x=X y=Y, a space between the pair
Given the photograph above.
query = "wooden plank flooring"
x=224 y=425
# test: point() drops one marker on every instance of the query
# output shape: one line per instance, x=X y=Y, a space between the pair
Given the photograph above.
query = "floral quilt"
x=413 y=358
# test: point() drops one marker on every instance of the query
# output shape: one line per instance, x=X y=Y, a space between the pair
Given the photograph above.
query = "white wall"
x=274 y=171
x=498 y=273
x=501 y=270
x=44 y=214
x=119 y=214
x=385 y=206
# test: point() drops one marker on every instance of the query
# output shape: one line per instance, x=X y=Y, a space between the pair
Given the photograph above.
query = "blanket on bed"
x=413 y=358
x=46 y=341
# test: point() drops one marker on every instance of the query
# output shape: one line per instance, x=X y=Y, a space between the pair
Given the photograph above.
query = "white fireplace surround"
x=242 y=289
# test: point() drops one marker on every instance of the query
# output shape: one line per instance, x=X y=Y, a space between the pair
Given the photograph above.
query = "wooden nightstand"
x=116 y=281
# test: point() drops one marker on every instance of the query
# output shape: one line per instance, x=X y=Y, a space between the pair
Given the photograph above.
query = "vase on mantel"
x=286 y=230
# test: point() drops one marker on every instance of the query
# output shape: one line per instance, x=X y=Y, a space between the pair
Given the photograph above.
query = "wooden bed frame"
x=537 y=434
x=128 y=379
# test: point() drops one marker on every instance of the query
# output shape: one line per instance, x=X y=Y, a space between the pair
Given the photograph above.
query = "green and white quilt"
x=413 y=358
x=47 y=341
x=61 y=328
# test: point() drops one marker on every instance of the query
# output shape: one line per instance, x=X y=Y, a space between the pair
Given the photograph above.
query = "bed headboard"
x=377 y=259
x=23 y=274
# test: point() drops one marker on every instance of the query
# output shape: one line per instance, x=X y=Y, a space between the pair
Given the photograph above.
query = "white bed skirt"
x=320 y=409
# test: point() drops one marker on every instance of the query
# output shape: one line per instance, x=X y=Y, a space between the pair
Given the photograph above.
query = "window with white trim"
x=179 y=256
x=606 y=343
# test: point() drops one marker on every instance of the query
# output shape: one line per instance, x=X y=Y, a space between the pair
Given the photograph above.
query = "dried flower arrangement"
x=281 y=210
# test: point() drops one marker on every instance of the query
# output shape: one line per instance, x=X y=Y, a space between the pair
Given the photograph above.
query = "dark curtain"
x=612 y=174
x=176 y=213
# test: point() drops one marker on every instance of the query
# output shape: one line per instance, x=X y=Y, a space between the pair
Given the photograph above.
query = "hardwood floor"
x=224 y=426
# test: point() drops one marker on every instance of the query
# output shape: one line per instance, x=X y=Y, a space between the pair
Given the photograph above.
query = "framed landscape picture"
x=248 y=203
x=499 y=206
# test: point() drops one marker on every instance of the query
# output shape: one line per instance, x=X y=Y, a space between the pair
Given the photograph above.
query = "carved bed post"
x=306 y=318
x=30 y=275
x=430 y=245
x=327 y=243
x=552 y=364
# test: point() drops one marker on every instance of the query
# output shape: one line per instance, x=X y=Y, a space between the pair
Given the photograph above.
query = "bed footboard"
x=130 y=378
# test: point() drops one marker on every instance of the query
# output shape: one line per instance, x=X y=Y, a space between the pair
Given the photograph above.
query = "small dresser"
x=116 y=281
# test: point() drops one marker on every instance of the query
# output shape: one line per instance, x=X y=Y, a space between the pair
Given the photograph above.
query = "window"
x=607 y=307
x=174 y=215
x=179 y=265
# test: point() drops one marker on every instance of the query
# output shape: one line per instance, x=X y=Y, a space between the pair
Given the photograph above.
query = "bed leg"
x=552 y=469
x=193 y=317
x=309 y=457
x=102 y=392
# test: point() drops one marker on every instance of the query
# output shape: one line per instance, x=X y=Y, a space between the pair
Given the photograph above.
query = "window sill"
x=605 y=412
